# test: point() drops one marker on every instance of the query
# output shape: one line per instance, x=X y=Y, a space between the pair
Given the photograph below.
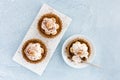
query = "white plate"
x=69 y=62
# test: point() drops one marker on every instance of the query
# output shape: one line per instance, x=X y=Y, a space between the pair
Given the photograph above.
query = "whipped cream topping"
x=50 y=26
x=34 y=51
x=76 y=59
x=80 y=50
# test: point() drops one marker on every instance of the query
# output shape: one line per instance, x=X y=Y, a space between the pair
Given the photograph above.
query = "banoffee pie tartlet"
x=50 y=25
x=34 y=51
x=77 y=50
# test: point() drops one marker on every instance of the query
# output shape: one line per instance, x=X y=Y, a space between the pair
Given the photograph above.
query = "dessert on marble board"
x=77 y=50
x=50 y=25
x=34 y=51
x=42 y=39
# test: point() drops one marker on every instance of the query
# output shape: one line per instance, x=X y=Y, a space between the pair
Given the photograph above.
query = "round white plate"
x=69 y=62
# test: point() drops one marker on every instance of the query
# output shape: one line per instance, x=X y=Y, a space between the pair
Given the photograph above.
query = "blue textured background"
x=99 y=20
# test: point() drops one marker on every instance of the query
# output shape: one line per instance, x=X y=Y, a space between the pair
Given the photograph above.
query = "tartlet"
x=49 y=25
x=34 y=51
x=77 y=51
x=79 y=43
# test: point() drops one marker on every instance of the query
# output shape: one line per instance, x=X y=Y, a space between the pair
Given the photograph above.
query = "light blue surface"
x=99 y=20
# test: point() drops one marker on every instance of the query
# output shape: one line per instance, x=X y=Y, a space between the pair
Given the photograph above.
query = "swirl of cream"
x=50 y=26
x=34 y=51
x=80 y=50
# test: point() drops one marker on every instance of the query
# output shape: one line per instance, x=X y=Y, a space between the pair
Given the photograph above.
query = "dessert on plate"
x=41 y=40
x=77 y=50
x=49 y=25
x=34 y=51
